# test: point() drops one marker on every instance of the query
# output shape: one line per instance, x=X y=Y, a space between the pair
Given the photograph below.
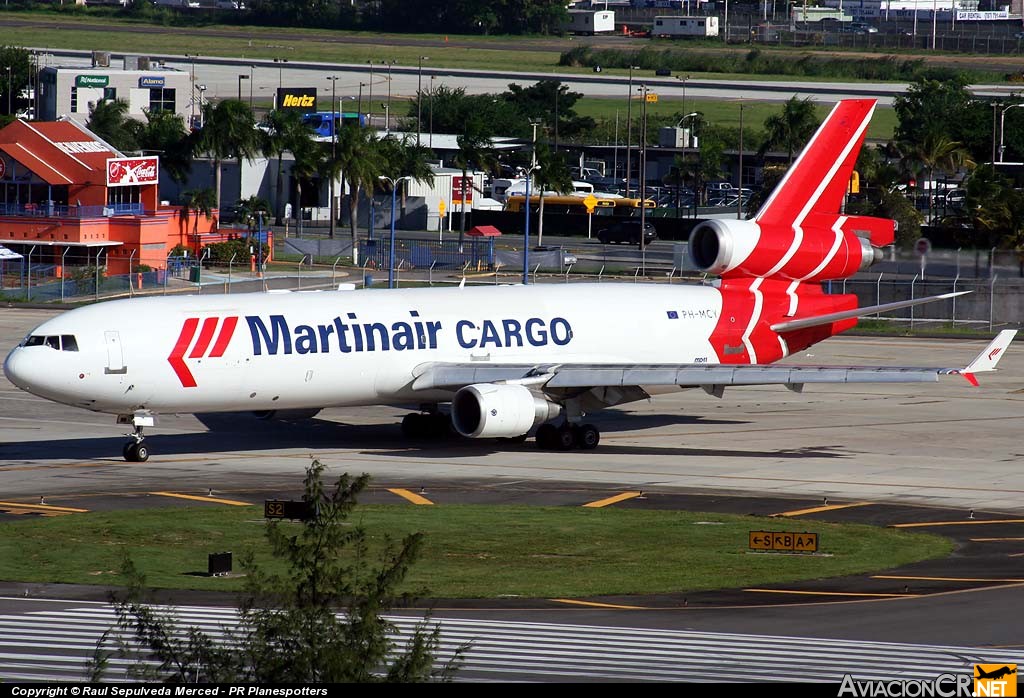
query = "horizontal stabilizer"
x=814 y=321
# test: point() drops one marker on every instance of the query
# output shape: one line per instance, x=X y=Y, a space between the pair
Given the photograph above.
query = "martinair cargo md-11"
x=500 y=360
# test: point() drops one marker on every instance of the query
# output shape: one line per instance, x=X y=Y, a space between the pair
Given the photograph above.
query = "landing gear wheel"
x=587 y=437
x=546 y=436
x=565 y=438
x=420 y=426
x=413 y=426
x=135 y=452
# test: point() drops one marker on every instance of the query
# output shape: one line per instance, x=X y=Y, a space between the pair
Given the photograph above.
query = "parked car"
x=627 y=231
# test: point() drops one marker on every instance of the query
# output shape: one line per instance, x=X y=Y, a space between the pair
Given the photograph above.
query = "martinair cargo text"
x=498 y=362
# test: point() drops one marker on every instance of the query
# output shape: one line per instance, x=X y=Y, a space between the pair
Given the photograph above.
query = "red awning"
x=483 y=231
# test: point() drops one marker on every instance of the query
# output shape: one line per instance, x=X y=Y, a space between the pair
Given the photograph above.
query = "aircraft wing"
x=452 y=376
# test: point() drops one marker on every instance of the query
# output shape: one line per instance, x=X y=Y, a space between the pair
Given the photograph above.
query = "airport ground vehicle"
x=627 y=231
x=560 y=204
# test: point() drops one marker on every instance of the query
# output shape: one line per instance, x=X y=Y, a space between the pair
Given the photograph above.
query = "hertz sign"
x=297 y=99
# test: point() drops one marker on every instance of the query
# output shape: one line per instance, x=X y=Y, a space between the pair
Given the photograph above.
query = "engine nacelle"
x=490 y=410
x=826 y=247
x=287 y=415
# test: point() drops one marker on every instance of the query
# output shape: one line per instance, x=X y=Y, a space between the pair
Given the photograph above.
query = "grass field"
x=471 y=551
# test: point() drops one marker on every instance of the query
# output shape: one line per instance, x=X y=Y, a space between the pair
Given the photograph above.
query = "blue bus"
x=321 y=121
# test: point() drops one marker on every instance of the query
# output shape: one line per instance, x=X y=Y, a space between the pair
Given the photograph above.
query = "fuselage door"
x=115 y=357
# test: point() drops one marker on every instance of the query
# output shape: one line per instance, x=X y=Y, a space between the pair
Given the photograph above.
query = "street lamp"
x=9 y=90
x=334 y=145
x=629 y=128
x=240 y=78
x=251 y=81
x=387 y=109
x=526 y=230
x=369 y=98
x=1002 y=123
x=430 y=143
x=359 y=105
x=643 y=90
x=419 y=99
x=391 y=247
x=202 y=89
x=684 y=78
x=280 y=71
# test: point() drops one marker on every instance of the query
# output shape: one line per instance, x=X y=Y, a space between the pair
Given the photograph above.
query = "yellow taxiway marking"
x=828 y=507
x=41 y=507
x=410 y=496
x=969 y=522
x=825 y=593
x=612 y=500
x=995 y=540
x=948 y=579
x=595 y=604
x=212 y=500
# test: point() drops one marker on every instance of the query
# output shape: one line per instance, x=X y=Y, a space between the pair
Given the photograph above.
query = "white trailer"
x=590 y=21
x=673 y=25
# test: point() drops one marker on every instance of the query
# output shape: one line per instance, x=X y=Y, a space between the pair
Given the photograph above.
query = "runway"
x=945 y=455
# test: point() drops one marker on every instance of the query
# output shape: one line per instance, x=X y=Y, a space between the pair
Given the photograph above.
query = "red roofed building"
x=69 y=198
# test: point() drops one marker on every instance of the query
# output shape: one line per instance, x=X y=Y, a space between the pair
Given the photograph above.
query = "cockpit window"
x=64 y=342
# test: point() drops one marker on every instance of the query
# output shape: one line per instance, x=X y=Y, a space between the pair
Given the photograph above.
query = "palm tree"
x=938 y=152
x=164 y=132
x=228 y=131
x=358 y=159
x=308 y=158
x=199 y=201
x=109 y=120
x=553 y=175
x=403 y=158
x=284 y=132
x=474 y=149
x=791 y=128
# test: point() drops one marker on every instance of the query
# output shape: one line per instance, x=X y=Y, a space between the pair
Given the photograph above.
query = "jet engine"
x=489 y=410
x=821 y=248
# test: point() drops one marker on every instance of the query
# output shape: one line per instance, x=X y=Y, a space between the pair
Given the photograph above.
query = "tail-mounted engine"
x=822 y=247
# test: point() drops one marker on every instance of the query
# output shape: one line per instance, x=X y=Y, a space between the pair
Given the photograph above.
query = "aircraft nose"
x=17 y=369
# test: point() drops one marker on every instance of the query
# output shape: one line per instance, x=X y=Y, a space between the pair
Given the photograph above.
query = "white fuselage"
x=270 y=351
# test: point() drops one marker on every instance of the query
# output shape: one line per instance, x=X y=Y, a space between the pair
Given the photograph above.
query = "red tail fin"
x=817 y=181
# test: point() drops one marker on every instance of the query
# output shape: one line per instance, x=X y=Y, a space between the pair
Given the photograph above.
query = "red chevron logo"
x=201 y=346
x=994 y=353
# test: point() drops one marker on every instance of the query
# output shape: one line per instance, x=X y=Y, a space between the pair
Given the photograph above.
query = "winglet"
x=989 y=356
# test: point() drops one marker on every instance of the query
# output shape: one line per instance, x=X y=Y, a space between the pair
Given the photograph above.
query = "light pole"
x=251 y=81
x=1002 y=123
x=419 y=100
x=240 y=78
x=280 y=71
x=334 y=146
x=643 y=89
x=391 y=247
x=359 y=105
x=526 y=230
x=202 y=90
x=387 y=109
x=430 y=143
x=369 y=98
x=696 y=178
x=9 y=90
x=683 y=79
x=739 y=197
x=679 y=181
x=629 y=129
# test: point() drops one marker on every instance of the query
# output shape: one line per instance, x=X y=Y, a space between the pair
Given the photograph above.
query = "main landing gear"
x=421 y=426
x=135 y=451
x=567 y=437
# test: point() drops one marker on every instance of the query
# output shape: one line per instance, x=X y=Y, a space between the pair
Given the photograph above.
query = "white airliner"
x=499 y=360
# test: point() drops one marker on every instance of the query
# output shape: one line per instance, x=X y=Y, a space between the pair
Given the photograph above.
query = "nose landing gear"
x=135 y=451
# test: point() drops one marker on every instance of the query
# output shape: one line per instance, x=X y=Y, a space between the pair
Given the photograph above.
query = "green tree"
x=109 y=120
x=228 y=131
x=307 y=164
x=931 y=107
x=475 y=150
x=164 y=133
x=16 y=60
x=892 y=204
x=447 y=110
x=358 y=159
x=554 y=176
x=251 y=210
x=284 y=132
x=790 y=129
x=553 y=103
x=403 y=158
x=289 y=629
x=936 y=151
x=199 y=202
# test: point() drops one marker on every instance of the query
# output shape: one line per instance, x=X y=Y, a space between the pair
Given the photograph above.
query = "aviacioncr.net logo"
x=995 y=680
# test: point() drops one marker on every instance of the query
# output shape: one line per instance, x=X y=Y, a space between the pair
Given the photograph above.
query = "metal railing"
x=51 y=210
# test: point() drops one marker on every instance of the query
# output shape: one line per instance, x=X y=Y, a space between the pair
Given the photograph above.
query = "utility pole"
x=334 y=148
x=419 y=100
x=643 y=168
x=629 y=129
